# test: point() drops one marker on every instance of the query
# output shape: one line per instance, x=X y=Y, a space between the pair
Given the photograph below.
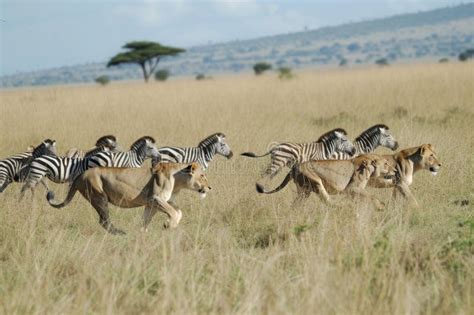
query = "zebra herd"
x=32 y=166
x=38 y=163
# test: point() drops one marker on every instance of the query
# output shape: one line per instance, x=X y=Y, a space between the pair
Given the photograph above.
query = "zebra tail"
x=70 y=195
x=253 y=155
x=286 y=180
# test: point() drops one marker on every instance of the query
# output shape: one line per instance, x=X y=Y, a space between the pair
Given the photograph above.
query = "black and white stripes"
x=206 y=150
x=368 y=141
x=16 y=167
x=290 y=153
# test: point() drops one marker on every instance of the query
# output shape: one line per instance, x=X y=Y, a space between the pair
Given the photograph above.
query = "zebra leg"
x=100 y=204
x=28 y=185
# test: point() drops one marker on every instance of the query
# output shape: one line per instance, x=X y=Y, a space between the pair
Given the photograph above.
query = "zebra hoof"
x=50 y=195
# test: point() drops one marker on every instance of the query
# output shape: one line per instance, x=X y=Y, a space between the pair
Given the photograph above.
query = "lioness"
x=135 y=187
x=350 y=177
x=407 y=162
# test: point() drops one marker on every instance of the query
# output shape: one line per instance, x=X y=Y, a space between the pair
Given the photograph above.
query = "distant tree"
x=102 y=80
x=202 y=76
x=382 y=62
x=261 y=67
x=465 y=55
x=343 y=62
x=353 y=47
x=145 y=54
x=285 y=73
x=162 y=75
x=443 y=60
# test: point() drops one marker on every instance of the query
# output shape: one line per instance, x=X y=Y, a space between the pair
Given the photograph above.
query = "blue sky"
x=39 y=34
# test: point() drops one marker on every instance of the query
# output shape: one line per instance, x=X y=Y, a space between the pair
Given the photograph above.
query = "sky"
x=42 y=34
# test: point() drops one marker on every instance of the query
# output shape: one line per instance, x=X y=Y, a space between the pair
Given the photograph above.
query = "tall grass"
x=236 y=251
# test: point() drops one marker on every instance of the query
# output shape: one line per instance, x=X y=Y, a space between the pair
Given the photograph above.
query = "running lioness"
x=136 y=187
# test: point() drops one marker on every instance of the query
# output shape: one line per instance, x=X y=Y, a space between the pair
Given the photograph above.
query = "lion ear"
x=194 y=167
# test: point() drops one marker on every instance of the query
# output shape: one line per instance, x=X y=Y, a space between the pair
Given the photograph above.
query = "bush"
x=467 y=54
x=102 y=80
x=443 y=60
x=382 y=62
x=343 y=62
x=285 y=73
x=261 y=67
x=162 y=75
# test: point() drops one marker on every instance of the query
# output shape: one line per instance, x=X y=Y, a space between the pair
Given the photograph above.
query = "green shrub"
x=102 y=80
x=285 y=73
x=162 y=75
x=261 y=67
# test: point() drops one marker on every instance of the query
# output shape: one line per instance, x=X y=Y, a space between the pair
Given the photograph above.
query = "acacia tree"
x=145 y=54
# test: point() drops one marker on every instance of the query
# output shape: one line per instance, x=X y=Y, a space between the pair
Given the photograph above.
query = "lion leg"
x=173 y=214
x=362 y=193
x=148 y=214
x=302 y=194
x=317 y=186
x=100 y=204
x=404 y=190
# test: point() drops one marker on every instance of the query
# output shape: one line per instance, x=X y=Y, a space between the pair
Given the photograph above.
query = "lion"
x=350 y=177
x=136 y=187
x=406 y=163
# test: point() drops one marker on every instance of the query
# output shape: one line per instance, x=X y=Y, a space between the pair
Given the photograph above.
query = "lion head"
x=426 y=158
x=195 y=178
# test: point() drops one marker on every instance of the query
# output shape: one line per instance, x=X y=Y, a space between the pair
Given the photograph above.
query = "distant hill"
x=441 y=33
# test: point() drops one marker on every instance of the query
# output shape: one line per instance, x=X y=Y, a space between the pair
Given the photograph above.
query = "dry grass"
x=236 y=251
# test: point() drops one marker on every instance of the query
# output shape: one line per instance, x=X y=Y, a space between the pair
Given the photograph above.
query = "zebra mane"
x=211 y=139
x=331 y=135
x=104 y=139
x=372 y=131
x=41 y=148
x=142 y=140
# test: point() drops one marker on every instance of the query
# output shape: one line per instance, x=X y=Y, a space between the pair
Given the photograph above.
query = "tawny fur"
x=136 y=187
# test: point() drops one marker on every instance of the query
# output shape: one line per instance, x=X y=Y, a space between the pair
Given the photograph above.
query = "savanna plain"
x=237 y=251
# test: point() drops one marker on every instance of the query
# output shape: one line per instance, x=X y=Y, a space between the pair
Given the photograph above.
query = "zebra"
x=368 y=141
x=65 y=169
x=202 y=154
x=290 y=153
x=16 y=167
x=108 y=141
x=140 y=150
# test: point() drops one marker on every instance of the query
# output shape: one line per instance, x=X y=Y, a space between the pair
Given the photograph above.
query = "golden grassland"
x=237 y=251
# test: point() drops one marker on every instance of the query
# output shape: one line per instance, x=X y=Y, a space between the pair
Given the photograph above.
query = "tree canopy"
x=145 y=54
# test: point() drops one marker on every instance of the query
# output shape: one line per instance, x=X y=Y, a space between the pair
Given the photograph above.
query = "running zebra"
x=140 y=150
x=368 y=141
x=290 y=153
x=64 y=169
x=202 y=154
x=108 y=141
x=16 y=167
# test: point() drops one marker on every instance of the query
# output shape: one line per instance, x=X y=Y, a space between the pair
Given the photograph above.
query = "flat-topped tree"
x=145 y=54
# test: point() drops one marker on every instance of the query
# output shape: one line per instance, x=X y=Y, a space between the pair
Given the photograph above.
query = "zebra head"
x=146 y=147
x=386 y=139
x=47 y=147
x=375 y=136
x=108 y=141
x=219 y=144
x=336 y=141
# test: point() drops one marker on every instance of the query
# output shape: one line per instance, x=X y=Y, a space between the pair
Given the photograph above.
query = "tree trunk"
x=146 y=75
